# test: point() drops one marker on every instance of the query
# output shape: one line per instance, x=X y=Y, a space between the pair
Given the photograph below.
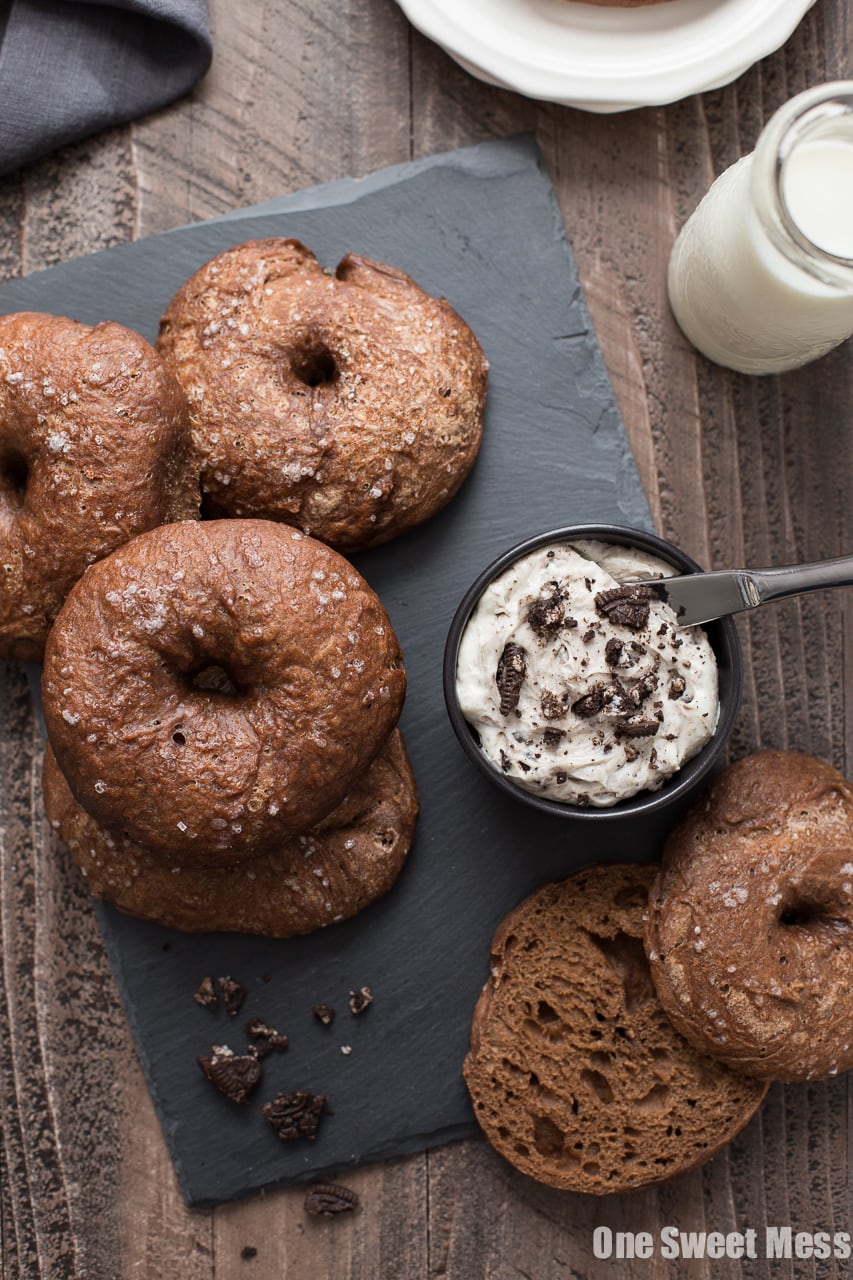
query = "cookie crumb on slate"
x=248 y=1251
x=323 y=1013
x=266 y=1036
x=327 y=1198
x=295 y=1115
x=360 y=1000
x=206 y=994
x=235 y=1076
x=233 y=995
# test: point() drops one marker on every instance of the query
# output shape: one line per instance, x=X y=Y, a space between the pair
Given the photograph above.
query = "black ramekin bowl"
x=678 y=790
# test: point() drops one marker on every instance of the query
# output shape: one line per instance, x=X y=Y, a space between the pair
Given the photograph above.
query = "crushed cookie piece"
x=248 y=1251
x=546 y=615
x=295 y=1115
x=323 y=1013
x=509 y=676
x=233 y=995
x=552 y=737
x=582 y=801
x=677 y=685
x=645 y=727
x=360 y=1000
x=266 y=1036
x=506 y=763
x=588 y=636
x=233 y=1074
x=645 y=687
x=206 y=994
x=631 y=753
x=328 y=1198
x=611 y=698
x=627 y=606
x=613 y=651
x=590 y=704
x=551 y=705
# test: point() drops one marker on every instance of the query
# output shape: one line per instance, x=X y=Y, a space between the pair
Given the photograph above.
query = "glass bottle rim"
x=786 y=129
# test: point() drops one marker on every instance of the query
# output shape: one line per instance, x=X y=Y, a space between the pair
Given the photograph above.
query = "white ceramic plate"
x=606 y=59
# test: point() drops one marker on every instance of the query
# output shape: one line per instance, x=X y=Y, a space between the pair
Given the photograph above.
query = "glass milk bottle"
x=761 y=275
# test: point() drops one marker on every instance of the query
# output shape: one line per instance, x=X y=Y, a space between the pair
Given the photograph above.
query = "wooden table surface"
x=737 y=470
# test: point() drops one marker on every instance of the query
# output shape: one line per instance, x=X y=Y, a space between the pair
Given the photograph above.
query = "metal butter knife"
x=701 y=597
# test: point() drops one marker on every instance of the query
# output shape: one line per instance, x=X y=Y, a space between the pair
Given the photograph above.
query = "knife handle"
x=793 y=580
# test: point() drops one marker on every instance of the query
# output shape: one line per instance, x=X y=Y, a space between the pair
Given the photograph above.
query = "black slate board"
x=482 y=227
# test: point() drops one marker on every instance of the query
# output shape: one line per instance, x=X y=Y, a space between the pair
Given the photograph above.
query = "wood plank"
x=79 y=200
x=298 y=94
x=378 y=1239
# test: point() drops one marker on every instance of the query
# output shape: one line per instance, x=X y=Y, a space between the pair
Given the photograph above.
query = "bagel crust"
x=94 y=448
x=349 y=405
x=212 y=689
x=330 y=873
x=750 y=925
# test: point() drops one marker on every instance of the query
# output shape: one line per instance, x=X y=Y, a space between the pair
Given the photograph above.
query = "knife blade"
x=702 y=597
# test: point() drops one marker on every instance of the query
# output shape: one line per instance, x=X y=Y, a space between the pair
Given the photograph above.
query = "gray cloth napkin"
x=68 y=69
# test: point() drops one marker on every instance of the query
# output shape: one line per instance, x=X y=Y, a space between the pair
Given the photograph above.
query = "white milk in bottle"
x=761 y=275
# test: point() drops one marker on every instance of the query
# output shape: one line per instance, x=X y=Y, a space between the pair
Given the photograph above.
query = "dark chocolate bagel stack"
x=221 y=702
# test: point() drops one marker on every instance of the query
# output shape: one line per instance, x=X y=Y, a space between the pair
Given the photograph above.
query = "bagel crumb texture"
x=575 y=1073
x=750 y=929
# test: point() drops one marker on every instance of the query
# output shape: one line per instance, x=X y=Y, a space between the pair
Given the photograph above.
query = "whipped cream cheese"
x=580 y=688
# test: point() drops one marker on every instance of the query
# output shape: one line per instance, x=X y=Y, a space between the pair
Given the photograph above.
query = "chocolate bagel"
x=330 y=873
x=212 y=689
x=750 y=924
x=94 y=448
x=349 y=405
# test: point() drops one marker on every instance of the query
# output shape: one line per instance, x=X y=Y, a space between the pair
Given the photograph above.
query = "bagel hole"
x=14 y=474
x=806 y=914
x=314 y=366
x=214 y=678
